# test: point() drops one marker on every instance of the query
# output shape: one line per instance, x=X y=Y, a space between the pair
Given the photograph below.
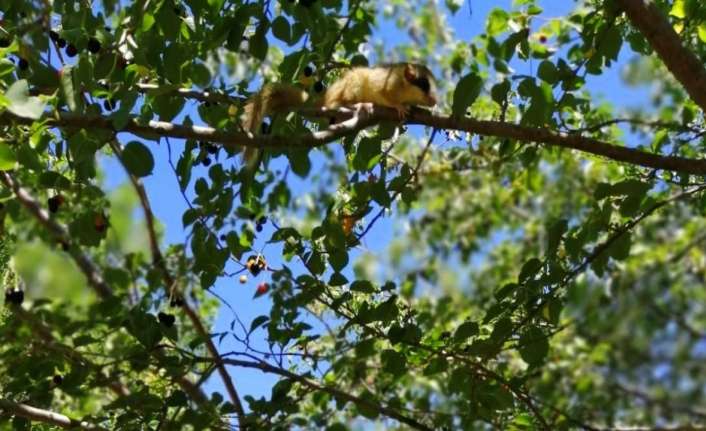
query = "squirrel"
x=397 y=86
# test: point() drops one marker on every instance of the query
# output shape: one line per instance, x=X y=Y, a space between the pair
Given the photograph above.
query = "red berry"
x=262 y=288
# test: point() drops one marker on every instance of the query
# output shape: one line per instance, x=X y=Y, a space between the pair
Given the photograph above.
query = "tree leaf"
x=138 y=159
x=467 y=91
x=21 y=103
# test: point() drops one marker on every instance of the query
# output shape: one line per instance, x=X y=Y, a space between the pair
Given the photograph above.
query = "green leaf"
x=299 y=160
x=530 y=269
x=368 y=154
x=465 y=331
x=554 y=235
x=533 y=346
x=497 y=22
x=467 y=91
x=393 y=362
x=21 y=104
x=258 y=42
x=620 y=248
x=281 y=29
x=548 y=72
x=257 y=322
x=499 y=92
x=144 y=327
x=337 y=279
x=7 y=157
x=138 y=159
x=363 y=286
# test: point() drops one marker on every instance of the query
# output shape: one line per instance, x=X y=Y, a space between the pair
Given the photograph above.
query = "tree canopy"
x=528 y=254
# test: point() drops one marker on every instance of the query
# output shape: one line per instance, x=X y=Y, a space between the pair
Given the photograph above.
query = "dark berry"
x=166 y=319
x=54 y=203
x=212 y=149
x=107 y=29
x=318 y=86
x=109 y=104
x=222 y=237
x=23 y=64
x=71 y=50
x=122 y=63
x=94 y=46
x=61 y=42
x=57 y=379
x=14 y=296
x=207 y=103
x=543 y=39
x=206 y=161
x=176 y=301
x=5 y=42
x=265 y=128
x=258 y=228
x=262 y=220
x=53 y=35
x=308 y=71
x=65 y=246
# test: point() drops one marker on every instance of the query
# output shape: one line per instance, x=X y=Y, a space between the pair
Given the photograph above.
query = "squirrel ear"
x=410 y=74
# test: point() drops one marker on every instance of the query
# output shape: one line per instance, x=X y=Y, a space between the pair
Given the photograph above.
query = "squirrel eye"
x=422 y=84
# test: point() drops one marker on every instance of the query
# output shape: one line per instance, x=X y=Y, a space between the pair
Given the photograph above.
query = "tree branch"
x=386 y=411
x=355 y=122
x=686 y=67
x=46 y=416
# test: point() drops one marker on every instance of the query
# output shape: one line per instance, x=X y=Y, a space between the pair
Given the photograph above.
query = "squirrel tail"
x=271 y=99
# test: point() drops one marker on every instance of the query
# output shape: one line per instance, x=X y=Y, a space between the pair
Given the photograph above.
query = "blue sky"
x=168 y=204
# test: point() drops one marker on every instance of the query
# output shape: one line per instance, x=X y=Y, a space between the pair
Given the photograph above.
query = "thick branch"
x=355 y=123
x=682 y=62
x=386 y=411
x=46 y=416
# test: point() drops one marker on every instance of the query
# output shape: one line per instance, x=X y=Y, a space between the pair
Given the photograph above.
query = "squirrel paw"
x=363 y=109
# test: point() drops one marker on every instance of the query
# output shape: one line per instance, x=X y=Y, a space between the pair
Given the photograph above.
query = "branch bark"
x=383 y=410
x=354 y=123
x=46 y=416
x=682 y=62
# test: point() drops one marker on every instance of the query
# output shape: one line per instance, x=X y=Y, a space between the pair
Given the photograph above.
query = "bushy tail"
x=271 y=99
